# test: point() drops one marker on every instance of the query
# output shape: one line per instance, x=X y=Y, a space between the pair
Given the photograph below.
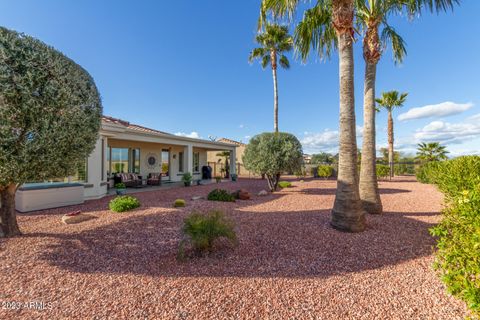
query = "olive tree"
x=50 y=115
x=272 y=154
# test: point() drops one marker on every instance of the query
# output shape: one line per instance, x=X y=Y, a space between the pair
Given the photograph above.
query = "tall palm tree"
x=326 y=26
x=389 y=101
x=432 y=151
x=274 y=41
x=336 y=21
x=372 y=16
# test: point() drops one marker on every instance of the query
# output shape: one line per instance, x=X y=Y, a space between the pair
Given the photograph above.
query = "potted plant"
x=187 y=179
x=121 y=188
x=234 y=176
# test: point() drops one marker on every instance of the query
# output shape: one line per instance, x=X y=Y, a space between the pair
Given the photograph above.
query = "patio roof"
x=114 y=126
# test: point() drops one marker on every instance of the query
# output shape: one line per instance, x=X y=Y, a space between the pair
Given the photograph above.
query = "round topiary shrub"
x=272 y=154
x=50 y=115
x=123 y=203
x=179 y=203
x=221 y=195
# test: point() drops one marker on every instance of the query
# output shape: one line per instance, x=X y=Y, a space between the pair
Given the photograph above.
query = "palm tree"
x=274 y=42
x=326 y=26
x=432 y=151
x=226 y=169
x=389 y=101
x=332 y=25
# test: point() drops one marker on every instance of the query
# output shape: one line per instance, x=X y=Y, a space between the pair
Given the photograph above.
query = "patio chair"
x=130 y=179
x=154 y=179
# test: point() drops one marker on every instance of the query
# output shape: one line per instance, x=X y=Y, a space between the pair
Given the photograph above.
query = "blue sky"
x=181 y=67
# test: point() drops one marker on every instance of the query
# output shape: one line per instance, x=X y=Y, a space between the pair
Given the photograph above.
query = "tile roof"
x=132 y=126
x=231 y=141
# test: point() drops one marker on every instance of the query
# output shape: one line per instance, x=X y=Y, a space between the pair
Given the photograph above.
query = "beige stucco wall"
x=212 y=157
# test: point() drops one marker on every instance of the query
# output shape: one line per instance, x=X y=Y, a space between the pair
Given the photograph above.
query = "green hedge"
x=123 y=203
x=458 y=234
x=428 y=172
x=383 y=171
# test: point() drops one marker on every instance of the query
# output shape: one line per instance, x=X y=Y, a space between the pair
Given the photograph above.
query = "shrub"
x=179 y=203
x=120 y=185
x=427 y=172
x=272 y=154
x=220 y=195
x=123 y=203
x=187 y=179
x=218 y=179
x=383 y=171
x=201 y=231
x=324 y=171
x=458 y=234
x=285 y=184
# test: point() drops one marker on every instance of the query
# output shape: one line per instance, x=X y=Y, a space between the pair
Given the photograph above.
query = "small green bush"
x=285 y=184
x=179 y=203
x=458 y=234
x=220 y=195
x=187 y=179
x=123 y=203
x=383 y=171
x=201 y=231
x=324 y=171
x=120 y=185
x=218 y=179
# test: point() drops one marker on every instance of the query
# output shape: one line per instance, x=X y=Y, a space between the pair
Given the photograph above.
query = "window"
x=82 y=172
x=196 y=162
x=166 y=162
x=180 y=162
x=135 y=166
x=119 y=160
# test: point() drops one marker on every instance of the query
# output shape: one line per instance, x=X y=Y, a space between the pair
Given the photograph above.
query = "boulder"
x=244 y=195
x=263 y=193
x=76 y=217
x=197 y=198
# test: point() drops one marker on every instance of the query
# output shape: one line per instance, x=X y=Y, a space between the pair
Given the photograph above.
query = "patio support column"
x=189 y=158
x=233 y=161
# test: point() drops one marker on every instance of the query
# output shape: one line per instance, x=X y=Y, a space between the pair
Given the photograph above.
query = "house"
x=129 y=148
x=217 y=162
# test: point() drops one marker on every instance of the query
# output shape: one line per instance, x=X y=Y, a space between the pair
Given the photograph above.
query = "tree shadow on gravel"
x=332 y=191
x=271 y=244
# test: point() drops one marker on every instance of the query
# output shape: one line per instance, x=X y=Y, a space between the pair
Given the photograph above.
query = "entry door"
x=165 y=164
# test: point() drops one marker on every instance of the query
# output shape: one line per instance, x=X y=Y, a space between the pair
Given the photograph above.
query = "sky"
x=182 y=67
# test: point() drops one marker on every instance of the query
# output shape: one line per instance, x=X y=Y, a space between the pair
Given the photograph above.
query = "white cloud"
x=326 y=141
x=445 y=132
x=192 y=134
x=435 y=110
x=241 y=126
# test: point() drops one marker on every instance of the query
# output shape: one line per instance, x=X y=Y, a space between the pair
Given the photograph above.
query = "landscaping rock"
x=244 y=195
x=263 y=193
x=76 y=217
x=197 y=198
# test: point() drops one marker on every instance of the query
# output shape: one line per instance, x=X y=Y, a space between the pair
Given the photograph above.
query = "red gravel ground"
x=289 y=264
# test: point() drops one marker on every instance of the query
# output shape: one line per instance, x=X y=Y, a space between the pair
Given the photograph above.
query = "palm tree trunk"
x=275 y=91
x=347 y=212
x=390 y=143
x=368 y=175
x=8 y=214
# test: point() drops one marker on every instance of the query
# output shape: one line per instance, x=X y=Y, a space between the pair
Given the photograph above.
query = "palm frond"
x=398 y=44
x=316 y=32
x=265 y=61
x=284 y=63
